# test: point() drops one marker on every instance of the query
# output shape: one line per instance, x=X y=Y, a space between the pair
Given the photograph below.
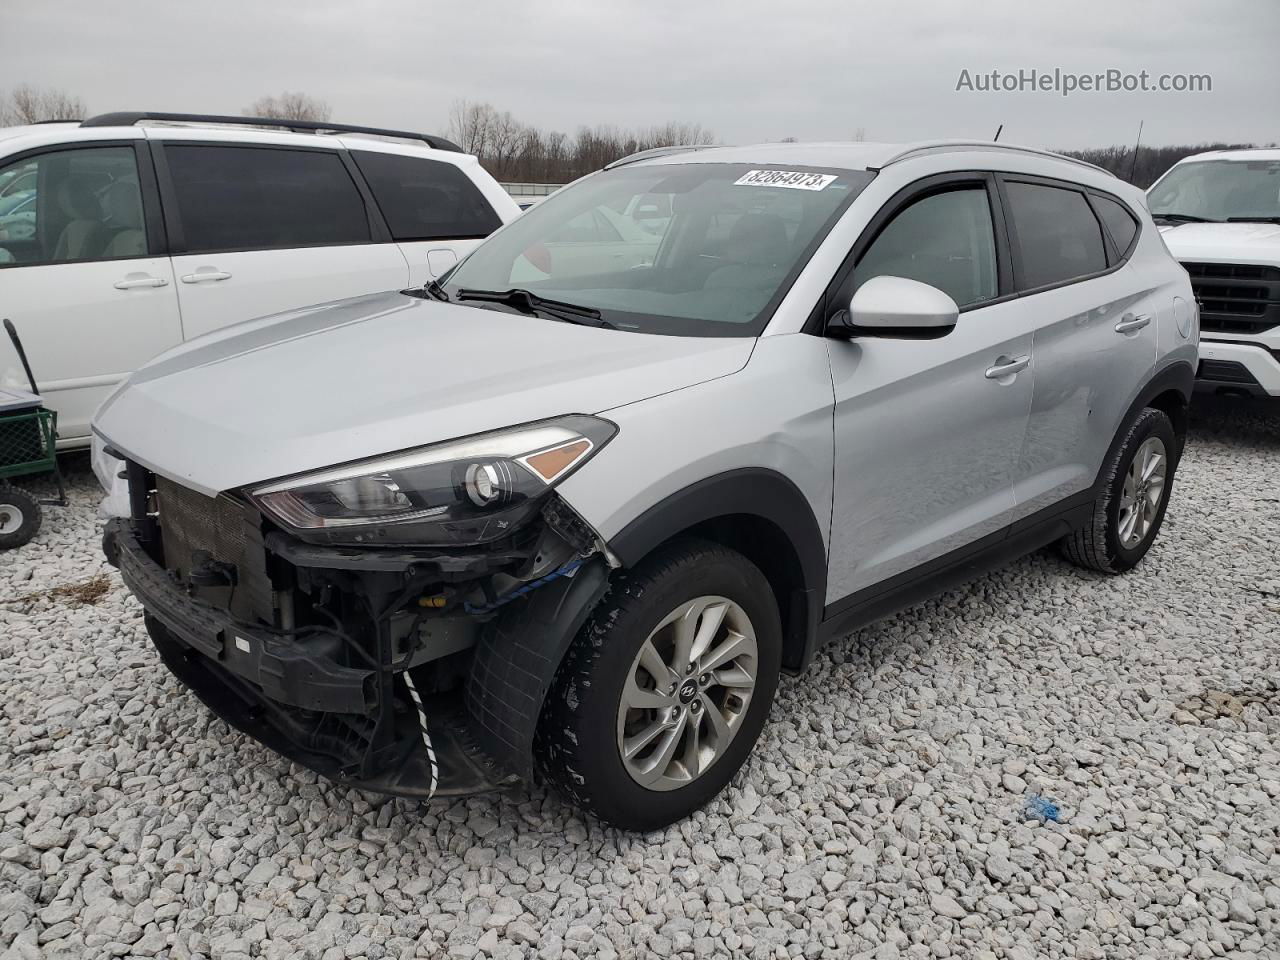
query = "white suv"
x=1219 y=214
x=120 y=240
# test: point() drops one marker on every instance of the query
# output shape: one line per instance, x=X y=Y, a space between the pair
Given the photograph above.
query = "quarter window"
x=426 y=199
x=70 y=205
x=246 y=198
x=1058 y=236
x=1120 y=222
x=945 y=240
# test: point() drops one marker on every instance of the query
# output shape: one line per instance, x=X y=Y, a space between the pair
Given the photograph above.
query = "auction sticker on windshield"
x=791 y=179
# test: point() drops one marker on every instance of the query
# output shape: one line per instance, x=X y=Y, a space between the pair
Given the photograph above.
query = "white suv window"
x=69 y=205
x=945 y=240
x=426 y=199
x=256 y=198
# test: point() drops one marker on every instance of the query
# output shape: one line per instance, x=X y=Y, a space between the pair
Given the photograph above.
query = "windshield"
x=1220 y=190
x=697 y=249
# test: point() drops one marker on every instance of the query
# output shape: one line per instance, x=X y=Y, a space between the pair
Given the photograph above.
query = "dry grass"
x=84 y=592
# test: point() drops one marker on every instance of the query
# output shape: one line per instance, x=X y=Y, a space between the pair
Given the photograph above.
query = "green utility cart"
x=28 y=445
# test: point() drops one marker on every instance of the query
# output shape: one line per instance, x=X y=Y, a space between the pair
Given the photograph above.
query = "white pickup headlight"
x=461 y=492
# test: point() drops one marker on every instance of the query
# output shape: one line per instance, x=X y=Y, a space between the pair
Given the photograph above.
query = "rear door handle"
x=1128 y=323
x=133 y=280
x=205 y=273
x=1004 y=367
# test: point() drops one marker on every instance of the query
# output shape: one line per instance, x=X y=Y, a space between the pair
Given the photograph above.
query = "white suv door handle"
x=205 y=273
x=1004 y=367
x=132 y=280
x=1128 y=323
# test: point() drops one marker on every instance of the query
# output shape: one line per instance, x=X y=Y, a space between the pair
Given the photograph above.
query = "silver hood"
x=367 y=376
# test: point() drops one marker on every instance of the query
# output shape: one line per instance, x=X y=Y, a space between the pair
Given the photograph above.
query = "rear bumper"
x=1238 y=368
x=276 y=688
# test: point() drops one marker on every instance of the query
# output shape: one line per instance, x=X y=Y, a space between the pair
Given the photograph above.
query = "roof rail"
x=128 y=119
x=656 y=152
x=943 y=145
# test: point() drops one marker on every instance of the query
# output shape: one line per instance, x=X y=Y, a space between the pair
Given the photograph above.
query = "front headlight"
x=461 y=492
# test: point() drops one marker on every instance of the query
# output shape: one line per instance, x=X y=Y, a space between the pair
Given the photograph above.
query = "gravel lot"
x=883 y=815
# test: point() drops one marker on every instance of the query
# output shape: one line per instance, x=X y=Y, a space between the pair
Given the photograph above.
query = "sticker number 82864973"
x=791 y=179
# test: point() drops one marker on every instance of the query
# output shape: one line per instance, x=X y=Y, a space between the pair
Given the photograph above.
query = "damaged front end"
x=396 y=667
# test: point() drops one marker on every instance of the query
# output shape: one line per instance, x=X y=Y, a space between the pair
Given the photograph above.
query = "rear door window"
x=1120 y=223
x=254 y=198
x=1058 y=237
x=426 y=199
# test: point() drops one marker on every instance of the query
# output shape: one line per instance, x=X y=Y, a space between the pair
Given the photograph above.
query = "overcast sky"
x=749 y=70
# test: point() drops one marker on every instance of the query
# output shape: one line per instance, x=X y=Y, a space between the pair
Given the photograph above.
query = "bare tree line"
x=1149 y=163
x=290 y=106
x=28 y=104
x=515 y=151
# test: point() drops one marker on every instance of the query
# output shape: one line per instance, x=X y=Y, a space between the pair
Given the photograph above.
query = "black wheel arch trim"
x=1178 y=376
x=756 y=492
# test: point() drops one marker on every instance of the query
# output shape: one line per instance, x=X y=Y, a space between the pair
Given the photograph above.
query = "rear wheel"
x=664 y=692
x=20 y=516
x=1128 y=514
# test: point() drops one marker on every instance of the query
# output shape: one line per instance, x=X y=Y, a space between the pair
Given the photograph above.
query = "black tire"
x=20 y=516
x=577 y=745
x=1097 y=545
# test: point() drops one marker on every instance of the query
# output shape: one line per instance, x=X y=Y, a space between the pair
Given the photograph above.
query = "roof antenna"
x=1134 y=165
x=996 y=138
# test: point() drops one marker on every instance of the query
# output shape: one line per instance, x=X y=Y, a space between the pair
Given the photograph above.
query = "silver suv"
x=576 y=507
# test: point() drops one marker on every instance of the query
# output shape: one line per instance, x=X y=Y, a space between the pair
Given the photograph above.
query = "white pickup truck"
x=1219 y=214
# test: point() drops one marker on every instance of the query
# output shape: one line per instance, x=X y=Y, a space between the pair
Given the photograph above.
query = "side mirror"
x=897 y=308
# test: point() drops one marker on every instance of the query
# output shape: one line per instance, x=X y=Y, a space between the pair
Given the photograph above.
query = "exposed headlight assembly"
x=467 y=491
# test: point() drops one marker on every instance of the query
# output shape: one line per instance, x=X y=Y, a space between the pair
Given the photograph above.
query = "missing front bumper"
x=353 y=726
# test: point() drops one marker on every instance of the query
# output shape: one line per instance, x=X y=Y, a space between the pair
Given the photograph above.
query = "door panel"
x=1087 y=374
x=79 y=278
x=260 y=230
x=218 y=289
x=925 y=445
x=83 y=333
x=1094 y=336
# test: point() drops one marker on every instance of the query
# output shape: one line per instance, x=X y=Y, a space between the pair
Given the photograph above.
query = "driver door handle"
x=1128 y=323
x=1004 y=367
x=205 y=273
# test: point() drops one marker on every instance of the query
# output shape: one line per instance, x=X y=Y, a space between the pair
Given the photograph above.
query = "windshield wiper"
x=529 y=302
x=1261 y=218
x=431 y=290
x=1184 y=218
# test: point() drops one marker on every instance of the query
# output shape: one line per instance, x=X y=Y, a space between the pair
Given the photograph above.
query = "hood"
x=1221 y=242
x=363 y=377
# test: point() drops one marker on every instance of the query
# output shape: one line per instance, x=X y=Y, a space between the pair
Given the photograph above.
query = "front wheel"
x=665 y=690
x=1135 y=494
x=19 y=516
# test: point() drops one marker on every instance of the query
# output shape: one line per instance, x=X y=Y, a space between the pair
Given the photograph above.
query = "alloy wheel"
x=687 y=693
x=1143 y=491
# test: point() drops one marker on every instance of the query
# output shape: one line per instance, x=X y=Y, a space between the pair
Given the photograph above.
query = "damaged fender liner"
x=516 y=659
